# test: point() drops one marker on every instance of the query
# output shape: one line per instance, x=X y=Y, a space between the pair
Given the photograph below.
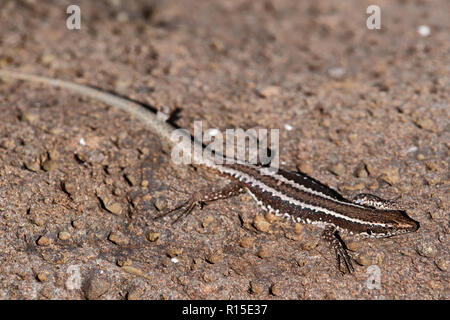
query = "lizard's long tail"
x=158 y=126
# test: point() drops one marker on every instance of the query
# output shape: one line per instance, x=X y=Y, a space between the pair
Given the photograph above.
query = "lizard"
x=293 y=195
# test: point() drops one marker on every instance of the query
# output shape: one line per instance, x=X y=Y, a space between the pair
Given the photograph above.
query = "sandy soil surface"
x=361 y=110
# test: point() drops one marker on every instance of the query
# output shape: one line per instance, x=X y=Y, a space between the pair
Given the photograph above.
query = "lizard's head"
x=396 y=222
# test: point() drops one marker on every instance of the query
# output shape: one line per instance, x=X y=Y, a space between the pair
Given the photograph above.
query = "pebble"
x=426 y=250
x=309 y=244
x=269 y=91
x=70 y=186
x=261 y=224
x=33 y=165
x=305 y=167
x=42 y=276
x=364 y=260
x=207 y=221
x=426 y=124
x=214 y=257
x=135 y=271
x=391 y=176
x=174 y=252
x=271 y=218
x=135 y=294
x=337 y=72
x=338 y=169
x=264 y=252
x=95 y=288
x=63 y=235
x=44 y=241
x=354 y=245
x=118 y=238
x=152 y=236
x=423 y=30
x=124 y=262
x=442 y=264
x=246 y=242
x=298 y=228
x=275 y=289
x=256 y=287
x=49 y=165
x=111 y=206
x=29 y=116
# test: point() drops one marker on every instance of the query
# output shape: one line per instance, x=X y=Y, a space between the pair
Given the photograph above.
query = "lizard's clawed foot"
x=344 y=261
x=185 y=209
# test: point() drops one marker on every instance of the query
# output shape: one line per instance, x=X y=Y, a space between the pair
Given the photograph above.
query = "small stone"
x=131 y=179
x=432 y=166
x=354 y=245
x=121 y=262
x=53 y=154
x=207 y=221
x=42 y=276
x=256 y=287
x=33 y=165
x=261 y=224
x=391 y=176
x=351 y=188
x=29 y=116
x=214 y=257
x=426 y=124
x=135 y=271
x=246 y=242
x=271 y=218
x=298 y=228
x=337 y=72
x=305 y=167
x=442 y=264
x=49 y=165
x=118 y=238
x=309 y=244
x=95 y=288
x=426 y=250
x=70 y=186
x=134 y=294
x=420 y=156
x=112 y=206
x=159 y=204
x=37 y=220
x=269 y=91
x=264 y=252
x=174 y=252
x=144 y=183
x=275 y=289
x=44 y=241
x=77 y=224
x=47 y=58
x=152 y=236
x=338 y=169
x=361 y=172
x=8 y=144
x=63 y=235
x=364 y=260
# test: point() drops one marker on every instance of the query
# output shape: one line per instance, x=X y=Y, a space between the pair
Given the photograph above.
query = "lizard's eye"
x=369 y=232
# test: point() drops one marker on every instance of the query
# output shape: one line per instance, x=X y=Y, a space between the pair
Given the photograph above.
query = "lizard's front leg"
x=331 y=235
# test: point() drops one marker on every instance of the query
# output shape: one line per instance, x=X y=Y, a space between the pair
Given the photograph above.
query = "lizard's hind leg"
x=202 y=198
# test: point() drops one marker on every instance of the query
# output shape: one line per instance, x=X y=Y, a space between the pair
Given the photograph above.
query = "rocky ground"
x=361 y=110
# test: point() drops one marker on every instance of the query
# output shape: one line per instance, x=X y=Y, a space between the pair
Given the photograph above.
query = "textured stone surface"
x=371 y=100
